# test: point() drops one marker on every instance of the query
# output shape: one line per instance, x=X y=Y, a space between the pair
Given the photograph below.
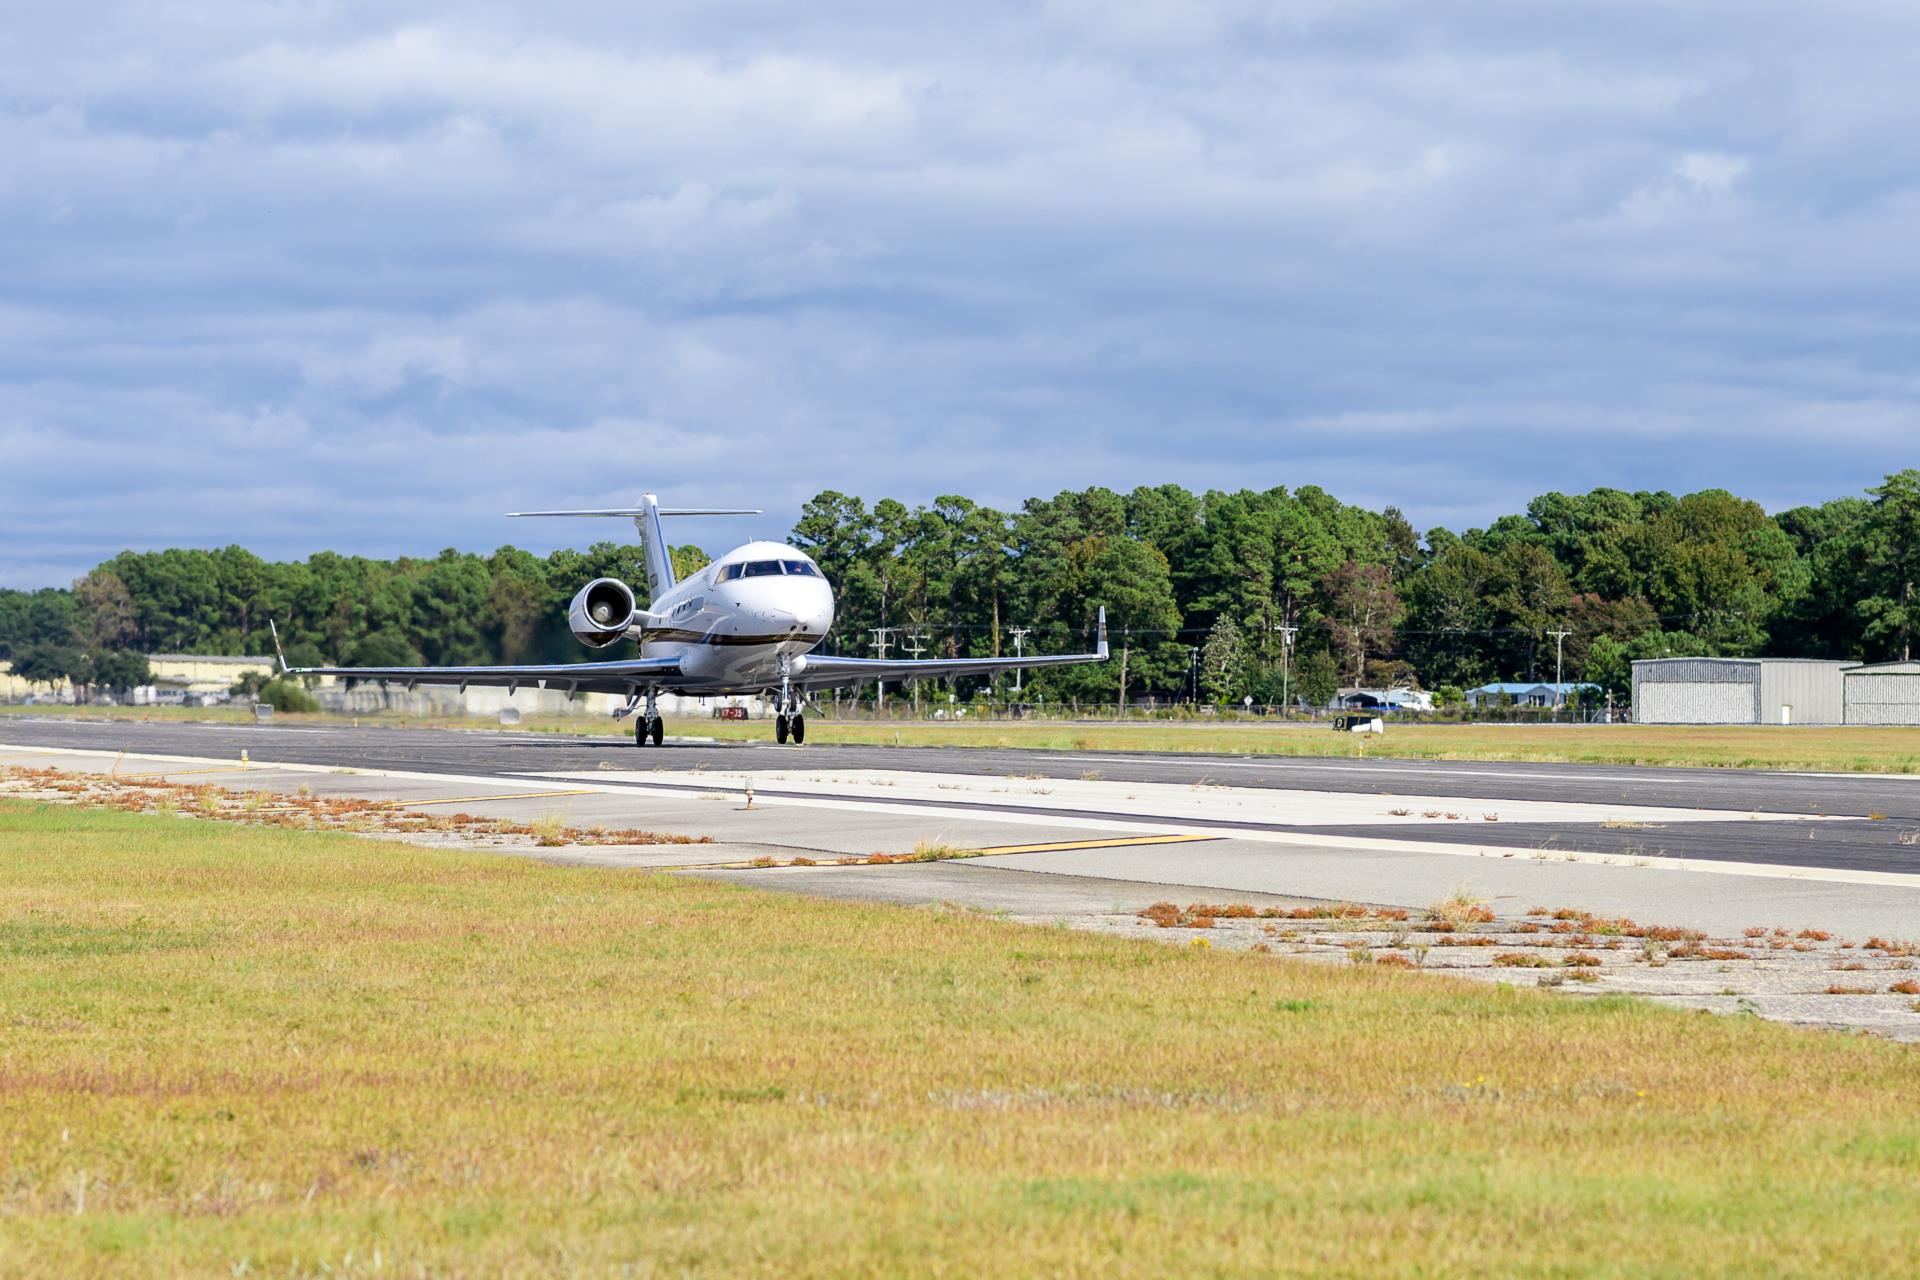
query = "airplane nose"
x=809 y=614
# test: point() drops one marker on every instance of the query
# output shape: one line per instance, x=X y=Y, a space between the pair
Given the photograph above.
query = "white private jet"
x=745 y=624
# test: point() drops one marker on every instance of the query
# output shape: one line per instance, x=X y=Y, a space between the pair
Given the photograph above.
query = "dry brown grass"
x=302 y=810
x=241 y=1049
x=1457 y=910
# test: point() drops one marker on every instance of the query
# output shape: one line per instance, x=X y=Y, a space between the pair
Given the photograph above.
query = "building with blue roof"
x=1524 y=694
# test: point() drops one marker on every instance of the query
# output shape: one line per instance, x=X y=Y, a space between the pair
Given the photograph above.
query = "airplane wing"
x=568 y=677
x=822 y=671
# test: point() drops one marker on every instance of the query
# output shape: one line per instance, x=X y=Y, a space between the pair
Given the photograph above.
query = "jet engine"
x=602 y=612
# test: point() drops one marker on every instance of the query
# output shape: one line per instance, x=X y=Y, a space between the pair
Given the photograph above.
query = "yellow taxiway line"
x=512 y=795
x=1111 y=842
x=830 y=861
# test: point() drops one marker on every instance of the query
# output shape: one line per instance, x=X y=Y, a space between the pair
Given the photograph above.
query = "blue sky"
x=363 y=276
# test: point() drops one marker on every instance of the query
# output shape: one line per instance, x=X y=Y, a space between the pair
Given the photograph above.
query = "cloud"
x=314 y=276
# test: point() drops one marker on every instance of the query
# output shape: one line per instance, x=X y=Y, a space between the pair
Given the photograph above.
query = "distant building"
x=1883 y=693
x=1739 y=691
x=194 y=679
x=1355 y=699
x=1523 y=694
x=15 y=688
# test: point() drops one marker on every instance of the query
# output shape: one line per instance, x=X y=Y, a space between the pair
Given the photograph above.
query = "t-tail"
x=653 y=543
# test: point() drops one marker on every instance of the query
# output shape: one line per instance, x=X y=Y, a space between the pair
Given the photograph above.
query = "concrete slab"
x=1651 y=894
x=978 y=886
x=1213 y=800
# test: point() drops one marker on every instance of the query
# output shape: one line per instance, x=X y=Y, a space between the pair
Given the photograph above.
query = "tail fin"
x=653 y=543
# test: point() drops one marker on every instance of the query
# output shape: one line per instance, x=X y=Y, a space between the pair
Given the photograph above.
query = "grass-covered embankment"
x=308 y=1052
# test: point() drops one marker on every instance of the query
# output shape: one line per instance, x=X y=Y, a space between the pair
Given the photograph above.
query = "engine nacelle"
x=602 y=613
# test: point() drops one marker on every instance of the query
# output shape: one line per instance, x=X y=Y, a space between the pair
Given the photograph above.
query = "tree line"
x=1265 y=594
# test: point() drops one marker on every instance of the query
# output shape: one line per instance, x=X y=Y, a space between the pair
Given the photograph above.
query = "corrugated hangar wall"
x=1738 y=691
x=1696 y=691
x=1887 y=693
x=1802 y=691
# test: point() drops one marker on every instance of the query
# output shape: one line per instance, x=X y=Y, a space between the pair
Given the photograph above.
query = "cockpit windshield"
x=765 y=569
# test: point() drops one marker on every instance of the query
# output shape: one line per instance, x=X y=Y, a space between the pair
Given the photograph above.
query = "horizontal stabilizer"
x=630 y=513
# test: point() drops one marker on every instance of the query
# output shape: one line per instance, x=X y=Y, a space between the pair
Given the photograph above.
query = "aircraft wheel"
x=799 y=730
x=659 y=731
x=780 y=729
x=639 y=733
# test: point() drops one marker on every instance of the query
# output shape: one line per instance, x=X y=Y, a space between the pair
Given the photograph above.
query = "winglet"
x=278 y=652
x=1102 y=650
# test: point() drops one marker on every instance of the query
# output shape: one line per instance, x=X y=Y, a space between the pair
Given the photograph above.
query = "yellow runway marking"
x=187 y=773
x=1115 y=842
x=829 y=861
x=514 y=795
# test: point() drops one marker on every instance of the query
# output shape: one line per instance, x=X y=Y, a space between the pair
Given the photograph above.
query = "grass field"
x=1847 y=750
x=261 y=1052
x=1843 y=750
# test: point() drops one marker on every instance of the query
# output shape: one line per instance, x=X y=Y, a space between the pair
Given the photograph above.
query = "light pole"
x=1193 y=674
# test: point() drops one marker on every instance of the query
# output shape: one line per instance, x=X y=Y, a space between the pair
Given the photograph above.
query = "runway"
x=1714 y=848
x=487 y=751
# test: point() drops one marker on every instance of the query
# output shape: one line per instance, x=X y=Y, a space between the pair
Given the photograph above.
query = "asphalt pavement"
x=1723 y=855
x=479 y=751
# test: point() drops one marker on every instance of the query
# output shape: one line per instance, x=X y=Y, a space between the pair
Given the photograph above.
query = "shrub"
x=1164 y=914
x=286 y=695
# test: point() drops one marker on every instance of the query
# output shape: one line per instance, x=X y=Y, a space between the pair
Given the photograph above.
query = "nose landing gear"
x=788 y=718
x=649 y=728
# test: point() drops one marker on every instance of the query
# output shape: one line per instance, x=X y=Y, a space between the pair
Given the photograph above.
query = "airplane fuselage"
x=743 y=621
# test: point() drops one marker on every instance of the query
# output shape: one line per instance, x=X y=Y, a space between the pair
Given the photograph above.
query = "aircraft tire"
x=640 y=733
x=659 y=731
x=799 y=730
x=780 y=730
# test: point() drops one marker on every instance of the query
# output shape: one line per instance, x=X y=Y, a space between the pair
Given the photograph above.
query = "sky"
x=364 y=276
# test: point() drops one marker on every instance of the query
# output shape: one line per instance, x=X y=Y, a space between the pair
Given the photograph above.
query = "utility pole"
x=1193 y=674
x=917 y=648
x=882 y=637
x=1559 y=650
x=1019 y=635
x=1287 y=633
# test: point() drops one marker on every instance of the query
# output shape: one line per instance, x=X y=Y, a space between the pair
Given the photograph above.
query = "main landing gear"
x=788 y=718
x=648 y=727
